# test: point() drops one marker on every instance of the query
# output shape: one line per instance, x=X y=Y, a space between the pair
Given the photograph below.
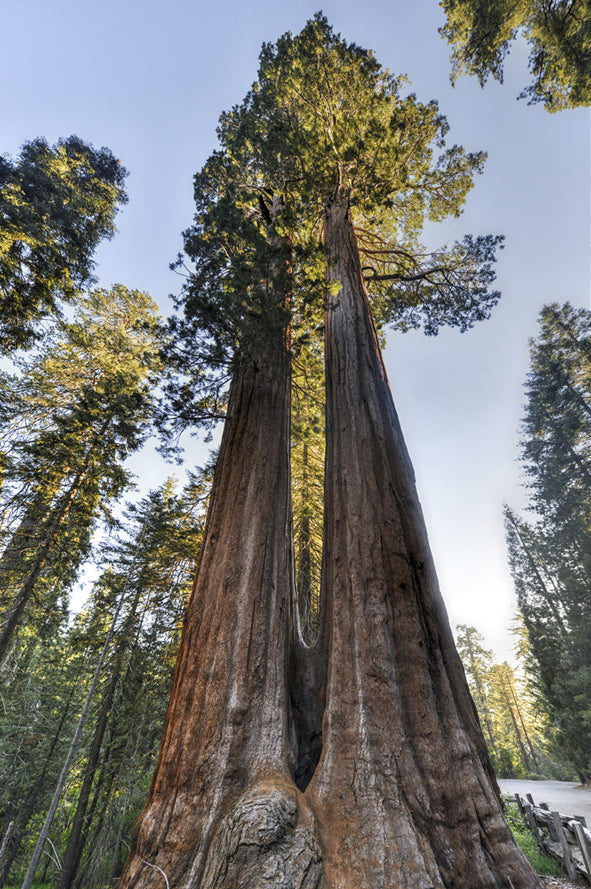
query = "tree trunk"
x=71 y=857
x=6 y=839
x=518 y=737
x=19 y=544
x=528 y=740
x=404 y=792
x=223 y=810
x=14 y=615
x=395 y=788
x=35 y=796
x=481 y=695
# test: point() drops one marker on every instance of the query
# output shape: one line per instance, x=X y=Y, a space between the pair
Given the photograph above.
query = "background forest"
x=93 y=375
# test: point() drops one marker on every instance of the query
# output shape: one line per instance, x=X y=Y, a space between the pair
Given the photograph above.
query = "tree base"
x=269 y=839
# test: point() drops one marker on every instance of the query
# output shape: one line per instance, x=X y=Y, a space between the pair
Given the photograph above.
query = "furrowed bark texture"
x=358 y=763
x=404 y=793
x=223 y=811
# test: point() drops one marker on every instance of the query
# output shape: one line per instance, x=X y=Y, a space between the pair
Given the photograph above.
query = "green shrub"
x=543 y=864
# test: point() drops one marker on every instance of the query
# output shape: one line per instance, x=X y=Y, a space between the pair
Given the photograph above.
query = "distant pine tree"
x=79 y=408
x=550 y=556
x=56 y=204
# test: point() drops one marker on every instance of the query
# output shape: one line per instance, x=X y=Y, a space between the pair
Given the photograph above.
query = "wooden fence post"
x=583 y=845
x=567 y=858
x=531 y=821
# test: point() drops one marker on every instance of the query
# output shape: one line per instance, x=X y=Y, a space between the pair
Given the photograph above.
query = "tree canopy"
x=56 y=204
x=285 y=151
x=558 y=33
x=295 y=140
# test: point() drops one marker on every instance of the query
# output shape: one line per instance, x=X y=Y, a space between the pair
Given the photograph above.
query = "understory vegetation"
x=543 y=864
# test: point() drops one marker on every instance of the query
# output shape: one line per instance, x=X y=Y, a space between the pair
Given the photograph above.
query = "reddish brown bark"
x=394 y=787
x=223 y=810
x=404 y=793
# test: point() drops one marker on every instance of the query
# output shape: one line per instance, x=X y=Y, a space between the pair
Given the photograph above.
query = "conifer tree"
x=358 y=762
x=307 y=481
x=557 y=33
x=157 y=562
x=41 y=697
x=85 y=402
x=153 y=555
x=56 y=204
x=477 y=662
x=549 y=556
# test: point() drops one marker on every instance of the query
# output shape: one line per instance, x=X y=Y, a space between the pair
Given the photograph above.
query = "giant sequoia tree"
x=359 y=761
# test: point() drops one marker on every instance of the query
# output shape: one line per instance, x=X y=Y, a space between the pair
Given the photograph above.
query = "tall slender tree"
x=307 y=481
x=477 y=662
x=87 y=393
x=153 y=556
x=41 y=698
x=157 y=564
x=515 y=738
x=549 y=556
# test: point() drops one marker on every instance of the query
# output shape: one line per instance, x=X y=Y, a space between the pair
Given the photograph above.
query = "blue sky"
x=149 y=80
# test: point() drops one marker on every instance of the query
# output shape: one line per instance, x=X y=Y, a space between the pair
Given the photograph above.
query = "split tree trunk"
x=223 y=810
x=375 y=723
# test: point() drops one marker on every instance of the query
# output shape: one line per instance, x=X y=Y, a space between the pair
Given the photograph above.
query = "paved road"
x=562 y=796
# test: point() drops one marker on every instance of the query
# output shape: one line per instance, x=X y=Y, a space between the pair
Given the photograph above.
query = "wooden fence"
x=565 y=837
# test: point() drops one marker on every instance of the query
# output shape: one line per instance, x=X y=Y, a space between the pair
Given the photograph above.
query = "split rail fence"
x=565 y=837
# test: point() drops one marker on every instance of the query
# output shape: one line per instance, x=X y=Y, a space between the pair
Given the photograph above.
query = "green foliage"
x=550 y=557
x=74 y=412
x=307 y=472
x=148 y=562
x=324 y=117
x=349 y=127
x=56 y=205
x=41 y=693
x=520 y=740
x=558 y=33
x=543 y=864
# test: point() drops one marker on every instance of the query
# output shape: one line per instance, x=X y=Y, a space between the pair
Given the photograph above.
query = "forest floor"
x=564 y=883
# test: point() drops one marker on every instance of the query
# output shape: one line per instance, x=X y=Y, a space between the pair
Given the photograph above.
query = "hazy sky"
x=149 y=80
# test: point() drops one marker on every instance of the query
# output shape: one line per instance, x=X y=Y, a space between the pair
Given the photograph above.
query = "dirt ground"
x=564 y=883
